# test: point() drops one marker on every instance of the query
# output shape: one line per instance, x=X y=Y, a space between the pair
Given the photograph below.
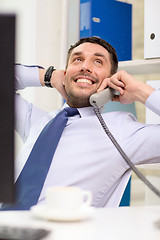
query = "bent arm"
x=32 y=76
x=25 y=113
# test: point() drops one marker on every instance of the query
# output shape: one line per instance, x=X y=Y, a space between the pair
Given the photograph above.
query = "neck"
x=78 y=103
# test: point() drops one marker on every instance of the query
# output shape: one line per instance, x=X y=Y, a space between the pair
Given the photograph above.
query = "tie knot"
x=71 y=111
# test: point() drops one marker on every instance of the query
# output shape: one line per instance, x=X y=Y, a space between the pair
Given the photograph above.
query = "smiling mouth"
x=84 y=80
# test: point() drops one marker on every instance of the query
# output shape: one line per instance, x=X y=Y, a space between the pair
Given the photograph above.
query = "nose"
x=85 y=67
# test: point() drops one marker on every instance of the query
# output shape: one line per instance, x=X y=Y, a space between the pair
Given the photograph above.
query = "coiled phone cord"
x=135 y=170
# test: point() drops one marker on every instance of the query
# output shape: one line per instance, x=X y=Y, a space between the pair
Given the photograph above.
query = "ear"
x=64 y=77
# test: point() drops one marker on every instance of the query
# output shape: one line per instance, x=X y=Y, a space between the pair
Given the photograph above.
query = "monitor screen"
x=7 y=55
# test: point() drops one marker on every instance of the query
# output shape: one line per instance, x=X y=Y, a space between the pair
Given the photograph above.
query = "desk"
x=126 y=223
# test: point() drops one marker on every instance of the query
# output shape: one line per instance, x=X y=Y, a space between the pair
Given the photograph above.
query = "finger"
x=103 y=85
x=117 y=82
x=117 y=88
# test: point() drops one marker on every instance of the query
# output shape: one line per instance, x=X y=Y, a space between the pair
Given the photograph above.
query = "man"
x=85 y=156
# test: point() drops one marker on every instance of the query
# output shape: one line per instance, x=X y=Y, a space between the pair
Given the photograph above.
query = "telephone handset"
x=101 y=98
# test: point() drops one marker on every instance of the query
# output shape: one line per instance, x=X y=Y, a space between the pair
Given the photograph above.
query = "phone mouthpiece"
x=101 y=98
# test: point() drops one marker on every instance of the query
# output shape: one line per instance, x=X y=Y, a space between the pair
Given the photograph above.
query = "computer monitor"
x=7 y=57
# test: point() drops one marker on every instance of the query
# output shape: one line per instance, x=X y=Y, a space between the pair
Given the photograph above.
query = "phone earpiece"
x=101 y=98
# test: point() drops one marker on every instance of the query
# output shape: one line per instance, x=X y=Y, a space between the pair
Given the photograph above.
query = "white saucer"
x=44 y=212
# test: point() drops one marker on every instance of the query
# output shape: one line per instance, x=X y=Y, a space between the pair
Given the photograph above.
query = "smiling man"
x=88 y=65
x=87 y=68
x=85 y=156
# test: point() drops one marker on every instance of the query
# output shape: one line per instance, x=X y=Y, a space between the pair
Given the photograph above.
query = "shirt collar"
x=84 y=111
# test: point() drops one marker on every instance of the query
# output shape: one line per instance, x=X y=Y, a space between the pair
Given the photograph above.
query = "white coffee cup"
x=67 y=198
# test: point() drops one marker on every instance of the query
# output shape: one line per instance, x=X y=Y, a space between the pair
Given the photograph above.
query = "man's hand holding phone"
x=130 y=89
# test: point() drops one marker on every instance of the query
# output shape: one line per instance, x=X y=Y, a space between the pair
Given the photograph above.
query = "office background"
x=45 y=30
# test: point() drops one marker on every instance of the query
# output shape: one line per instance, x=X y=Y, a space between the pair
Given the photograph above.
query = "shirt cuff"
x=26 y=76
x=153 y=102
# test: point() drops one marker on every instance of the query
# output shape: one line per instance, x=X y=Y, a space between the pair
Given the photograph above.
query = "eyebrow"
x=95 y=54
x=76 y=54
x=101 y=55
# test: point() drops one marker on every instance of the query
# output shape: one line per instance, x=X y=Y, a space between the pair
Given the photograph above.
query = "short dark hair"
x=103 y=43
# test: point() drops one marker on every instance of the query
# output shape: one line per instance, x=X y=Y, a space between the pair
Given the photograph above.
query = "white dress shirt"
x=85 y=156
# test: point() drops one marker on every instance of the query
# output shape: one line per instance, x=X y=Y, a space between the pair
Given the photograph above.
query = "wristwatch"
x=48 y=75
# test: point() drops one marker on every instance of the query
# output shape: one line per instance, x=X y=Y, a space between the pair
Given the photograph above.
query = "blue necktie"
x=30 y=181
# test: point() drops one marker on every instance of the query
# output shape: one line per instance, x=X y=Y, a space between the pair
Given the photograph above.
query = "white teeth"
x=83 y=80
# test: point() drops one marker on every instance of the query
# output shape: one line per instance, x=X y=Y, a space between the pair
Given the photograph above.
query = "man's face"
x=89 y=64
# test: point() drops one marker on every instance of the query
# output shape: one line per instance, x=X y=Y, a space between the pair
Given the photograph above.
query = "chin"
x=79 y=97
x=78 y=102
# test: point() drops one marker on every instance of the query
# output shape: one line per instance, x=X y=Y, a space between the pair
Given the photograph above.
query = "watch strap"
x=48 y=75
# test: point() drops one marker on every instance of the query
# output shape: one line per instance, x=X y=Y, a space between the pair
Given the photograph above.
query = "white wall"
x=24 y=10
x=38 y=34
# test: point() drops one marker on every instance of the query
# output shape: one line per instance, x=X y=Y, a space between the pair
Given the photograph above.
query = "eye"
x=78 y=59
x=98 y=61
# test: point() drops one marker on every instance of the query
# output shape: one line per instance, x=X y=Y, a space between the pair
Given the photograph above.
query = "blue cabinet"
x=110 y=20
